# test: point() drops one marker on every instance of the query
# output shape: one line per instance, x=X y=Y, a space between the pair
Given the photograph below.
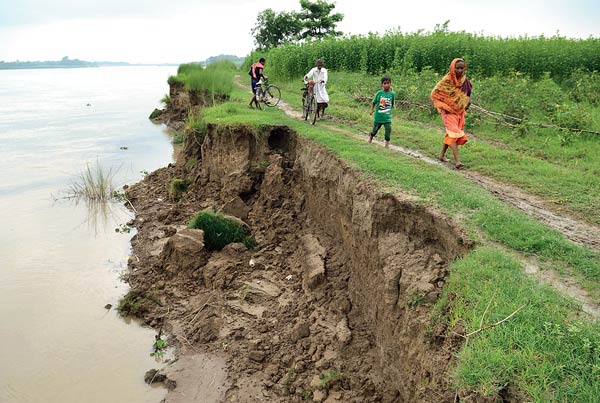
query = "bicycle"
x=309 y=103
x=268 y=94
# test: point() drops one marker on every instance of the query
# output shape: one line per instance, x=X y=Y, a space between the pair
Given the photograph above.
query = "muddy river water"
x=60 y=261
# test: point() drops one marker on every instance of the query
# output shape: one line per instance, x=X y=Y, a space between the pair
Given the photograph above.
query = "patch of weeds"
x=118 y=195
x=94 y=183
x=307 y=395
x=415 y=300
x=159 y=348
x=123 y=229
x=166 y=101
x=177 y=187
x=155 y=114
x=330 y=377
x=219 y=230
x=134 y=303
x=145 y=173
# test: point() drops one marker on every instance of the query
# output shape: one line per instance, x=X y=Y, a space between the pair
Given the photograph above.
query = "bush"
x=177 y=187
x=219 y=230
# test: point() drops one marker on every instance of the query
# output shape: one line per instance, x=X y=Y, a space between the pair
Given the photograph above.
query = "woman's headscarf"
x=451 y=93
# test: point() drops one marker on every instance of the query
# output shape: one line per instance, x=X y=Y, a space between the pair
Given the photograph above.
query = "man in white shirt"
x=319 y=75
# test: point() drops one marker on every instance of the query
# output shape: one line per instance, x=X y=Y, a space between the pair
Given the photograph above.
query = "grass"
x=215 y=81
x=545 y=352
x=542 y=351
x=219 y=230
x=94 y=184
x=177 y=187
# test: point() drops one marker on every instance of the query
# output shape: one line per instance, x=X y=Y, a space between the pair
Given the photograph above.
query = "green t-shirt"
x=384 y=102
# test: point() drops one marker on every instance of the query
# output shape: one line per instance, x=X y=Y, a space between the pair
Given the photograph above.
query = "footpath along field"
x=519 y=296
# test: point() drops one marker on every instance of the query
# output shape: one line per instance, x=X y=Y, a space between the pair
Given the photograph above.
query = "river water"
x=60 y=260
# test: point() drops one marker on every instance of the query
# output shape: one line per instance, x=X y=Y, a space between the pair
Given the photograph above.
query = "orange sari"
x=451 y=97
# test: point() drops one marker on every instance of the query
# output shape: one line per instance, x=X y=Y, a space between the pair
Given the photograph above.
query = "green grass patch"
x=216 y=79
x=136 y=303
x=220 y=230
x=177 y=187
x=542 y=350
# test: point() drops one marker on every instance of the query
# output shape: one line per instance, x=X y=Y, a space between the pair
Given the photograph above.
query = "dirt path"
x=574 y=230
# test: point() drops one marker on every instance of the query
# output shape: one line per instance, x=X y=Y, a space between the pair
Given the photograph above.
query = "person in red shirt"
x=256 y=73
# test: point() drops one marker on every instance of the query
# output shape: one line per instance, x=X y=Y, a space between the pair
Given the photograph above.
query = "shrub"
x=219 y=230
x=177 y=187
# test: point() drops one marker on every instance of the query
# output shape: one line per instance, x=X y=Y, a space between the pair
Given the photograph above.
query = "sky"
x=176 y=31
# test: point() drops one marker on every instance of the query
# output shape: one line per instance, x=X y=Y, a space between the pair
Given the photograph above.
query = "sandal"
x=459 y=165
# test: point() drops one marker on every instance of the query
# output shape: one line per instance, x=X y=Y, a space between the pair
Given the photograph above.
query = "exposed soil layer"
x=334 y=304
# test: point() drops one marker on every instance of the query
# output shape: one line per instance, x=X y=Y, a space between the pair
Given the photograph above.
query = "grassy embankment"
x=545 y=351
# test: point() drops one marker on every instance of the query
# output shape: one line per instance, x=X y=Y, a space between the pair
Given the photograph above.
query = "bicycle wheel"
x=305 y=105
x=258 y=98
x=272 y=96
x=312 y=110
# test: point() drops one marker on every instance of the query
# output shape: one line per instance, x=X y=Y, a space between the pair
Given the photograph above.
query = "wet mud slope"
x=334 y=304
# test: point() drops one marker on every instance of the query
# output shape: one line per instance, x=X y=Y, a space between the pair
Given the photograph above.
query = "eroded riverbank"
x=334 y=304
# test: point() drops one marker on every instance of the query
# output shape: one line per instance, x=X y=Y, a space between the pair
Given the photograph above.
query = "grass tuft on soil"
x=220 y=230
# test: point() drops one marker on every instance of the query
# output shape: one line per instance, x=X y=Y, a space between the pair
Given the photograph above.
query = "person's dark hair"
x=385 y=78
x=262 y=60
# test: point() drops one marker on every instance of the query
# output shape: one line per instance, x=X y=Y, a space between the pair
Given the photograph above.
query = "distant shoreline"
x=71 y=65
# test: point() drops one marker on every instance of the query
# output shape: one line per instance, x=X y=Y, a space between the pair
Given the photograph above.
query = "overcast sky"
x=157 y=31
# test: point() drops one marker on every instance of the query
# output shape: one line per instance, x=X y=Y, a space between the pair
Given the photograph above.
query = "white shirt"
x=318 y=76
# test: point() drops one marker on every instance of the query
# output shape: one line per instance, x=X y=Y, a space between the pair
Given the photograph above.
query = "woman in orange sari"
x=451 y=98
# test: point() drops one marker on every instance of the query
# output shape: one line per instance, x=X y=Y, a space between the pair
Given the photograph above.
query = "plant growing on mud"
x=177 y=187
x=219 y=230
x=166 y=100
x=136 y=303
x=159 y=348
x=330 y=377
x=123 y=229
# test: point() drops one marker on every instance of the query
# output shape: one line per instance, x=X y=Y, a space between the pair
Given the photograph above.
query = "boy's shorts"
x=387 y=126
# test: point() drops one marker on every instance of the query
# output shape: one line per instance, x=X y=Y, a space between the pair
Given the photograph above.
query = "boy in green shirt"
x=384 y=99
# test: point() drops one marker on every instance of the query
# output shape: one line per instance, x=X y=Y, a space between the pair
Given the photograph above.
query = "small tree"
x=317 y=21
x=274 y=29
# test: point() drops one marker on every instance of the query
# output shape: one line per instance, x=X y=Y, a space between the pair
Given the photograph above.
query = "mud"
x=334 y=304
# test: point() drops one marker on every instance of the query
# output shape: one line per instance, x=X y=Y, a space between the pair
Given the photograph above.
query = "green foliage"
x=314 y=21
x=166 y=101
x=486 y=56
x=218 y=229
x=543 y=351
x=328 y=378
x=155 y=114
x=274 y=29
x=215 y=80
x=159 y=348
x=134 y=303
x=94 y=183
x=584 y=86
x=317 y=21
x=177 y=187
x=123 y=229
